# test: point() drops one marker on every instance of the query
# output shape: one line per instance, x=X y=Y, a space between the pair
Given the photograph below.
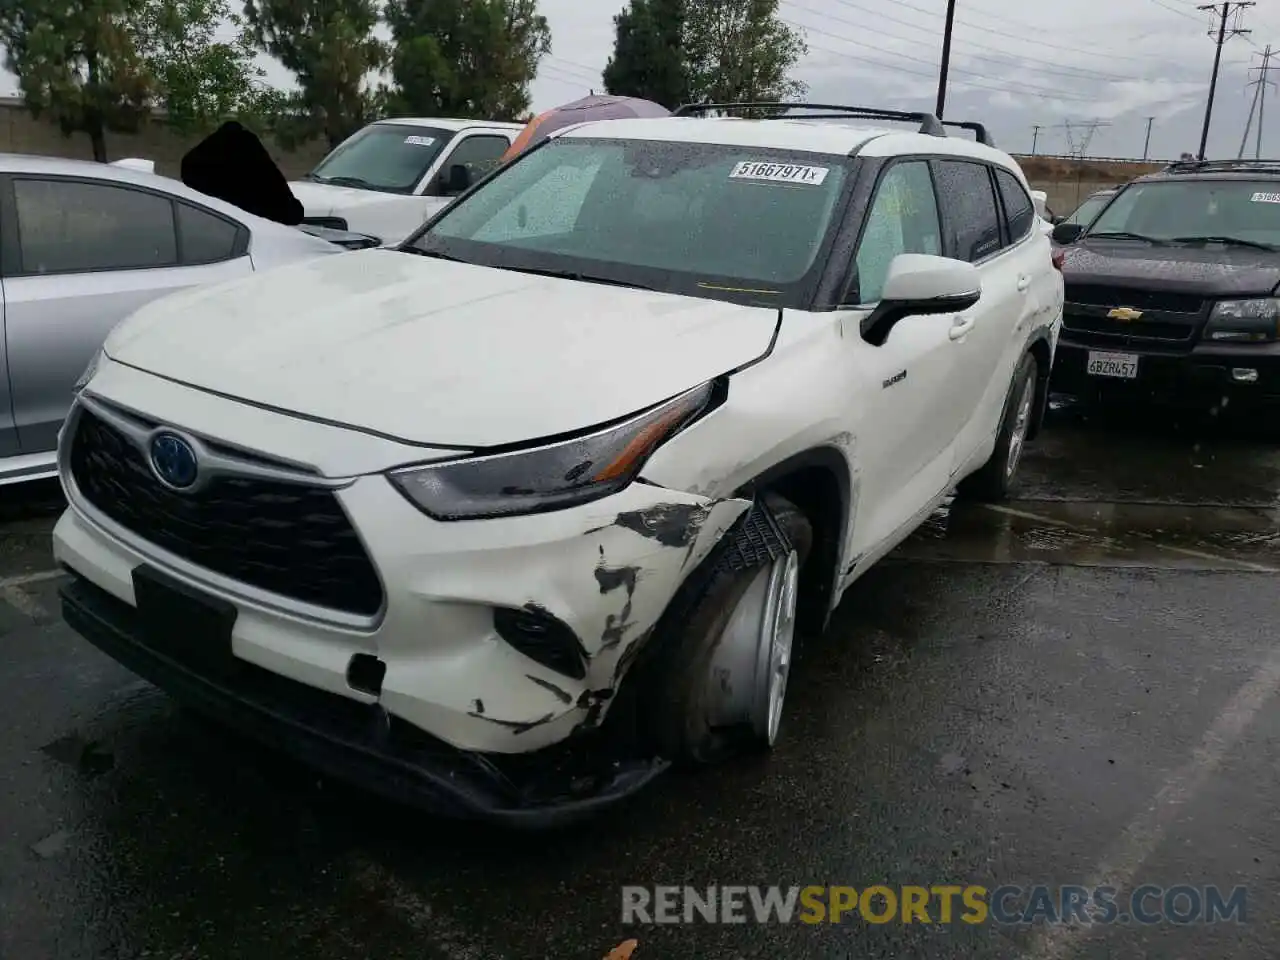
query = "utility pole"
x=1035 y=137
x=1146 y=146
x=1248 y=124
x=1262 y=104
x=1222 y=13
x=945 y=64
x=1259 y=104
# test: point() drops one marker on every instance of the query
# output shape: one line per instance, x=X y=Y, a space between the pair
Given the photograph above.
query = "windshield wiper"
x=1124 y=235
x=435 y=254
x=1229 y=241
x=581 y=277
x=345 y=181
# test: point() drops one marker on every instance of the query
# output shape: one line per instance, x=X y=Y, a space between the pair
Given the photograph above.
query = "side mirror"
x=1056 y=219
x=921 y=285
x=456 y=180
x=1066 y=233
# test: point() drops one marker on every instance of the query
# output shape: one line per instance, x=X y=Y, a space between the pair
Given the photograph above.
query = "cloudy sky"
x=1069 y=62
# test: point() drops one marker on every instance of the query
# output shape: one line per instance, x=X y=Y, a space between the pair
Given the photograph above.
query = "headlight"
x=1247 y=321
x=89 y=371
x=553 y=477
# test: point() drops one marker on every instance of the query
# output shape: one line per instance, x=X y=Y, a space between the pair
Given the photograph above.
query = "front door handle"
x=962 y=326
x=1024 y=282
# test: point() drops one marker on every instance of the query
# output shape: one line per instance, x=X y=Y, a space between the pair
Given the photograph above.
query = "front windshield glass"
x=383 y=156
x=732 y=222
x=1247 y=211
x=1089 y=209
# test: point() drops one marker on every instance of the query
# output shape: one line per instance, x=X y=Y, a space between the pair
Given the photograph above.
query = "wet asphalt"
x=1078 y=684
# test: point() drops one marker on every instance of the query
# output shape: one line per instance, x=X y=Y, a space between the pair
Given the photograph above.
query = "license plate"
x=1121 y=365
x=181 y=623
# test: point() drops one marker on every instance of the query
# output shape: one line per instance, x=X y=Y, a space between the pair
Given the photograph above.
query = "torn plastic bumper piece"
x=352 y=741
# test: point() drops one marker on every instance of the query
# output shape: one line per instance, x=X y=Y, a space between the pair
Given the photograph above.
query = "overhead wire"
x=1029 y=36
x=932 y=75
x=933 y=31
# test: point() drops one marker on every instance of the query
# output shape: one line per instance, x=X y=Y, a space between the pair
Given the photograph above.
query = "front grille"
x=291 y=540
x=1136 y=330
x=1096 y=295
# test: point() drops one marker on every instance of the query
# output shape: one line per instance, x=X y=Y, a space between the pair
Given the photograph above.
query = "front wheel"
x=994 y=480
x=721 y=682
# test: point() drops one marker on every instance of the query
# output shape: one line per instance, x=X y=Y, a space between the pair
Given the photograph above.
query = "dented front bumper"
x=359 y=743
x=605 y=572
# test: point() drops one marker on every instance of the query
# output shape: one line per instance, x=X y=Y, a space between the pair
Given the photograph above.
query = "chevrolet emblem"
x=1124 y=314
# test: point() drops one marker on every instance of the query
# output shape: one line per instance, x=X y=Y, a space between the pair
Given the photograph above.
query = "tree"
x=78 y=64
x=201 y=80
x=465 y=58
x=739 y=50
x=329 y=46
x=648 y=53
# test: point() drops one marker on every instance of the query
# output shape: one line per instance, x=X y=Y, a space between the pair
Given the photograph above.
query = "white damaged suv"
x=505 y=520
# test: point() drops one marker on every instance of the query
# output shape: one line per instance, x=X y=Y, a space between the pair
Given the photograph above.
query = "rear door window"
x=1019 y=211
x=206 y=237
x=969 y=208
x=72 y=226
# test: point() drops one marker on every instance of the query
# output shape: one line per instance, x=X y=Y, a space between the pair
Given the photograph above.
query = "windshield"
x=1246 y=211
x=1089 y=209
x=729 y=222
x=383 y=156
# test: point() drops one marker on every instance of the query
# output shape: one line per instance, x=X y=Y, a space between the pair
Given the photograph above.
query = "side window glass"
x=1019 y=211
x=67 y=226
x=479 y=154
x=903 y=219
x=973 y=219
x=205 y=238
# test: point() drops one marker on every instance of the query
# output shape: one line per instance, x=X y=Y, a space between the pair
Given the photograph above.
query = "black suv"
x=1172 y=289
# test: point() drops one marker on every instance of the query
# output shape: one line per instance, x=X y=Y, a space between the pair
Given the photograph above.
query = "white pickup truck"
x=389 y=177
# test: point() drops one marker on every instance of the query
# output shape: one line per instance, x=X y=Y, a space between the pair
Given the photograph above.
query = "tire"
x=678 y=709
x=995 y=479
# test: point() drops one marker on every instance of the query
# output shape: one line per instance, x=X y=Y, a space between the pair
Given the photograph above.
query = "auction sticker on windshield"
x=420 y=141
x=1265 y=198
x=779 y=172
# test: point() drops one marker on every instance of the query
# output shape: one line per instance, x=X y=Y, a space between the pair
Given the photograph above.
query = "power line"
x=1223 y=14
x=932 y=75
x=1024 y=39
x=1040 y=67
x=1022 y=88
x=1182 y=13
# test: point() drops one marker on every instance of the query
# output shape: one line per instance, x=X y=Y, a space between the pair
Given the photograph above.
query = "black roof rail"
x=979 y=131
x=1210 y=166
x=929 y=124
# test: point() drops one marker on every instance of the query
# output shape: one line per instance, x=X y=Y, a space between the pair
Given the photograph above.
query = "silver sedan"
x=82 y=246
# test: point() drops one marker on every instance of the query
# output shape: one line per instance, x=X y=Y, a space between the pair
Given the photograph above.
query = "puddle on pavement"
x=1131 y=534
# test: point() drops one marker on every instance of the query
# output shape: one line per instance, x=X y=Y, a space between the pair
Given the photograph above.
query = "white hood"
x=433 y=352
x=390 y=216
x=330 y=200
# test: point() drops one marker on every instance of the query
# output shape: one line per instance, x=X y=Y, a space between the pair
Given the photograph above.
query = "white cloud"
x=1015 y=63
